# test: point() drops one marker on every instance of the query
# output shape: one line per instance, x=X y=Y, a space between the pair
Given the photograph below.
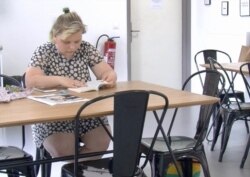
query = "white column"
x=1 y=64
x=2 y=130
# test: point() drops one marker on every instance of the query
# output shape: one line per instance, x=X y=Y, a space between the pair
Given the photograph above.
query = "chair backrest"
x=202 y=57
x=229 y=86
x=8 y=80
x=129 y=115
x=212 y=81
x=212 y=53
x=246 y=76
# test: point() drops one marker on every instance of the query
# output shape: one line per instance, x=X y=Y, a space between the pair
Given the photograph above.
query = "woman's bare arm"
x=104 y=72
x=35 y=77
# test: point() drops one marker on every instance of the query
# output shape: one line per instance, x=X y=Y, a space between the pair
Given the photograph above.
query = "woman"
x=64 y=63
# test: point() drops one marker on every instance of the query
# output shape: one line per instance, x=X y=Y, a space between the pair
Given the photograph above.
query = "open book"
x=53 y=99
x=90 y=86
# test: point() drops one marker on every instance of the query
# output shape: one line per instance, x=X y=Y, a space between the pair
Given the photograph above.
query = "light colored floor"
x=229 y=167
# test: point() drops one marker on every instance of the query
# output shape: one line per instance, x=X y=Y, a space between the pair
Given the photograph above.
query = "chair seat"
x=11 y=153
x=177 y=142
x=230 y=94
x=234 y=106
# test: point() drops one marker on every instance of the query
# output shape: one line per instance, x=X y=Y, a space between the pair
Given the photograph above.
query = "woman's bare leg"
x=62 y=144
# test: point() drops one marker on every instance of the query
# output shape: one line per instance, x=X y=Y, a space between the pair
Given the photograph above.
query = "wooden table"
x=234 y=67
x=26 y=111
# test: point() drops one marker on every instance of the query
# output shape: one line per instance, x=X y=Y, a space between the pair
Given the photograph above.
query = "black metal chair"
x=186 y=149
x=129 y=115
x=10 y=155
x=245 y=77
x=231 y=110
x=202 y=57
x=41 y=153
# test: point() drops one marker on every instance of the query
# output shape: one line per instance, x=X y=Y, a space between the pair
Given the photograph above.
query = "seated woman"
x=64 y=63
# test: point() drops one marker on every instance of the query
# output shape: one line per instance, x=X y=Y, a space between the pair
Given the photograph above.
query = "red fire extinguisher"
x=109 y=50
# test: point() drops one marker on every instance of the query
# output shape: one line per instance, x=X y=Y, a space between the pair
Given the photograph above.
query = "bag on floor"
x=172 y=172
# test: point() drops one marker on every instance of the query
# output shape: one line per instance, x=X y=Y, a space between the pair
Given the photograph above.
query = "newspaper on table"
x=57 y=98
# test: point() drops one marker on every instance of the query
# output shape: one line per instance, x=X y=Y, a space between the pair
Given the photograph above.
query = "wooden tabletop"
x=26 y=111
x=235 y=67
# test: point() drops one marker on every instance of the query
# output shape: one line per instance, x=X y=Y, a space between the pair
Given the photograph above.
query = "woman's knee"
x=59 y=144
x=97 y=139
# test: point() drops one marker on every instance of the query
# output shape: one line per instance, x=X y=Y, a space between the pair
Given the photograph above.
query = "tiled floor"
x=229 y=167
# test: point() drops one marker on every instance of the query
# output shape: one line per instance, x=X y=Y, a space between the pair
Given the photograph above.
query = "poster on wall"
x=224 y=8
x=244 y=8
x=207 y=2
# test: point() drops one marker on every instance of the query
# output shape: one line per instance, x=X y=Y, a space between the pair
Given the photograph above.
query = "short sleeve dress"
x=47 y=58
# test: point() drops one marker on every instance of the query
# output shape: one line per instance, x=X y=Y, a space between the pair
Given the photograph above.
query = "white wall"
x=25 y=24
x=212 y=30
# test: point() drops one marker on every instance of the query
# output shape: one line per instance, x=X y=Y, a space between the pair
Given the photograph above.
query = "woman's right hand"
x=70 y=83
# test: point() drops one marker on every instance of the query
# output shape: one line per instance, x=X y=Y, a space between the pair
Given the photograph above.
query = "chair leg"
x=46 y=170
x=225 y=135
x=246 y=123
x=12 y=173
x=158 y=164
x=245 y=153
x=204 y=163
x=217 y=127
x=38 y=157
x=187 y=167
x=28 y=171
x=152 y=167
x=41 y=153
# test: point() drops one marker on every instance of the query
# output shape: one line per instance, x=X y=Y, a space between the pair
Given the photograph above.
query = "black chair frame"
x=123 y=116
x=231 y=111
x=160 y=160
x=216 y=54
x=246 y=82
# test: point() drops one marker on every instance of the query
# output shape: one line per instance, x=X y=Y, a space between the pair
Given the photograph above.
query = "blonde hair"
x=67 y=24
